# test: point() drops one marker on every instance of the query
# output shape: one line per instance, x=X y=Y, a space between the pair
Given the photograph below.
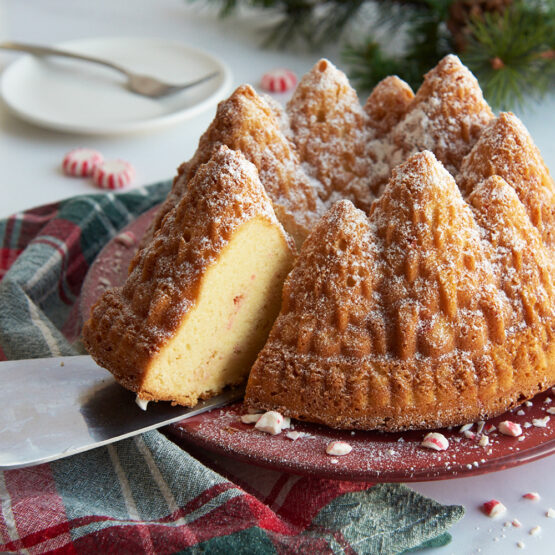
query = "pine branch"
x=512 y=54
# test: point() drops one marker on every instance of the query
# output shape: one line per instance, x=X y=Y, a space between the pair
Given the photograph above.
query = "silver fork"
x=137 y=83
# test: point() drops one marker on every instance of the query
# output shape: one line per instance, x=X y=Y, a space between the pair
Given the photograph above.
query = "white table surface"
x=30 y=175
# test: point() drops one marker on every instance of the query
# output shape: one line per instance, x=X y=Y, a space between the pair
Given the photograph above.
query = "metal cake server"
x=56 y=407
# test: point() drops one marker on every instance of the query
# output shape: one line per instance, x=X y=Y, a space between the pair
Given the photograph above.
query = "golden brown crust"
x=427 y=309
x=505 y=148
x=387 y=105
x=325 y=146
x=247 y=123
x=129 y=324
x=413 y=317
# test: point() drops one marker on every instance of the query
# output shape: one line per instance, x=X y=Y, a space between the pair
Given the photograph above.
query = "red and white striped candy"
x=510 y=428
x=532 y=496
x=494 y=508
x=81 y=162
x=113 y=174
x=278 y=80
x=435 y=440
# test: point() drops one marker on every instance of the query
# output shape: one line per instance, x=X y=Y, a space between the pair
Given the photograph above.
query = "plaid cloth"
x=146 y=494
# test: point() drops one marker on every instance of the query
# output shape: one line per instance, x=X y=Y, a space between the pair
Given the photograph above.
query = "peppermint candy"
x=436 y=441
x=338 y=448
x=81 y=162
x=113 y=174
x=272 y=422
x=494 y=508
x=278 y=80
x=509 y=428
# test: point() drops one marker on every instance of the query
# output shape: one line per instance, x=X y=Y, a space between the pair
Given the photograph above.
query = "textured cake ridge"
x=506 y=149
x=130 y=324
x=250 y=124
x=446 y=116
x=325 y=146
x=411 y=317
x=386 y=105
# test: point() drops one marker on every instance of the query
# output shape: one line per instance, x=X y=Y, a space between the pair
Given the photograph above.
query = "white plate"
x=81 y=97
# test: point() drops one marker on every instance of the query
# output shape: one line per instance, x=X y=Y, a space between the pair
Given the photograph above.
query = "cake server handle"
x=56 y=407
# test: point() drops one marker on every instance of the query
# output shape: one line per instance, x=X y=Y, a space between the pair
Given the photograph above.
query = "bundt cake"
x=423 y=293
x=429 y=312
x=201 y=297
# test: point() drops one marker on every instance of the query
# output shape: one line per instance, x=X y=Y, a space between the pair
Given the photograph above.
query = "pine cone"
x=460 y=13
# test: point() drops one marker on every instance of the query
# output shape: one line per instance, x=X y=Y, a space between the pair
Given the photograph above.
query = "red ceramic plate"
x=376 y=456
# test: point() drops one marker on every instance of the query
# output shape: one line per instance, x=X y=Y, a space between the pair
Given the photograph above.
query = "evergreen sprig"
x=511 y=53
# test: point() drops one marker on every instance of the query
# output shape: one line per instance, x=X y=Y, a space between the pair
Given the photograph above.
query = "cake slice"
x=399 y=320
x=200 y=299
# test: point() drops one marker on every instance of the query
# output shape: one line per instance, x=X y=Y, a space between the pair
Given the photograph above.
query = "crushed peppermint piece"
x=469 y=435
x=489 y=429
x=529 y=403
x=250 y=418
x=296 y=435
x=466 y=427
x=435 y=440
x=480 y=426
x=532 y=496
x=521 y=412
x=142 y=403
x=516 y=523
x=338 y=448
x=551 y=410
x=334 y=461
x=494 y=508
x=547 y=400
x=127 y=238
x=483 y=441
x=270 y=422
x=550 y=513
x=540 y=422
x=520 y=544
x=521 y=438
x=510 y=428
x=527 y=425
x=535 y=531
